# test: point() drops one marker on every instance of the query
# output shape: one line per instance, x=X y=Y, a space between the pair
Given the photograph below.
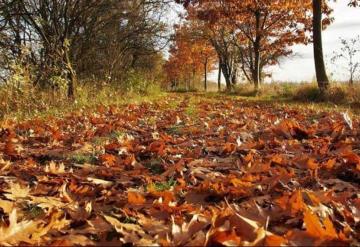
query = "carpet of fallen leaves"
x=188 y=170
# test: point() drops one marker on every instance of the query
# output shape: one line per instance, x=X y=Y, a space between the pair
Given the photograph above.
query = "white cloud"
x=301 y=67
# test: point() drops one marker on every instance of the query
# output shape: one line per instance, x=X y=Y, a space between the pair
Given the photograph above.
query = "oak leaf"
x=135 y=198
x=17 y=232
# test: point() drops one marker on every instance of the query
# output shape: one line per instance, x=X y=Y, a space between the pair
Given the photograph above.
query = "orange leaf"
x=315 y=228
x=135 y=198
x=330 y=164
x=329 y=227
x=296 y=202
x=312 y=164
x=157 y=147
x=224 y=238
x=229 y=148
x=108 y=159
x=278 y=159
x=275 y=240
x=9 y=149
x=313 y=225
x=282 y=202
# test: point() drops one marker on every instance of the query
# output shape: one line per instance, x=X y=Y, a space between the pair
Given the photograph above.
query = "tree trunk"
x=227 y=74
x=321 y=77
x=219 y=76
x=193 y=79
x=71 y=76
x=351 y=82
x=256 y=70
x=234 y=77
x=205 y=75
x=227 y=77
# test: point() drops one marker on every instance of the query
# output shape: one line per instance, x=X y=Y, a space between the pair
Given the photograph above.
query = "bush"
x=338 y=94
x=307 y=92
x=138 y=83
x=272 y=90
x=21 y=99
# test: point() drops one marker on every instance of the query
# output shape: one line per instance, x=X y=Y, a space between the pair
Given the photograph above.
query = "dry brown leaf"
x=18 y=232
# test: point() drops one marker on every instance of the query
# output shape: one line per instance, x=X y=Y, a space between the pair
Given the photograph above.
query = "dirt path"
x=189 y=170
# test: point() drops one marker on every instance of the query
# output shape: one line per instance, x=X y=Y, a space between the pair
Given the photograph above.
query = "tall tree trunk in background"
x=256 y=71
x=219 y=76
x=227 y=76
x=205 y=74
x=234 y=77
x=352 y=71
x=71 y=75
x=321 y=77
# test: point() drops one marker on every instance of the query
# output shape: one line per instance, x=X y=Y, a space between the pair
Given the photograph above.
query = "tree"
x=220 y=35
x=207 y=56
x=349 y=53
x=259 y=32
x=68 y=38
x=131 y=33
x=320 y=7
x=190 y=55
x=321 y=76
x=222 y=42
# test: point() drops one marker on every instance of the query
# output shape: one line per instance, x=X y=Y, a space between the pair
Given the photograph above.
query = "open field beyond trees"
x=189 y=169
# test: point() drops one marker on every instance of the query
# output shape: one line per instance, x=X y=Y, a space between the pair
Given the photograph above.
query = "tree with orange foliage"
x=263 y=31
x=190 y=55
x=268 y=27
x=205 y=54
x=220 y=35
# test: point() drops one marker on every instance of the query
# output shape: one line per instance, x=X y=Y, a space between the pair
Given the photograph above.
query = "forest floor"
x=191 y=169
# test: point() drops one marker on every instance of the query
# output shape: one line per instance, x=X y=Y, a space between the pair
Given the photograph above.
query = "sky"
x=300 y=66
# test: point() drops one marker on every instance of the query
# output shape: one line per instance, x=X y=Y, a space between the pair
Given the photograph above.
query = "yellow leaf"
x=53 y=168
x=7 y=206
x=16 y=192
x=17 y=232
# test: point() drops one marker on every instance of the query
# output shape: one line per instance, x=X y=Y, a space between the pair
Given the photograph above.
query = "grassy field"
x=29 y=102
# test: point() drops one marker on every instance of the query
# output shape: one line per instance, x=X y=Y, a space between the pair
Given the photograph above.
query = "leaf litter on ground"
x=234 y=173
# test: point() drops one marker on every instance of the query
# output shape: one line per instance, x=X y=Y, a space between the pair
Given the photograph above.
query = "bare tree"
x=349 y=53
x=63 y=34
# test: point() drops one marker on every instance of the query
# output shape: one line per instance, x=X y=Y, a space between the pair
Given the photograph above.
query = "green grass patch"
x=175 y=130
x=100 y=141
x=173 y=104
x=128 y=220
x=37 y=103
x=33 y=211
x=83 y=158
x=117 y=134
x=191 y=110
x=163 y=186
